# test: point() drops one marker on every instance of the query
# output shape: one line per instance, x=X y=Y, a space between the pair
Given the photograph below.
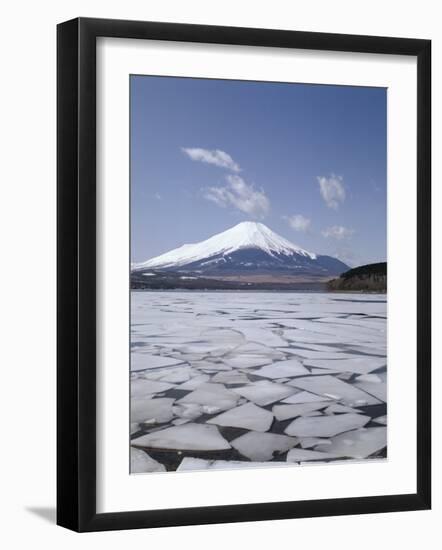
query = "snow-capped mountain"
x=246 y=248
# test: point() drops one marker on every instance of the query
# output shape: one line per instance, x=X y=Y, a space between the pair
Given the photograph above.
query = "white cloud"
x=240 y=195
x=332 y=190
x=337 y=232
x=298 y=222
x=212 y=156
x=158 y=196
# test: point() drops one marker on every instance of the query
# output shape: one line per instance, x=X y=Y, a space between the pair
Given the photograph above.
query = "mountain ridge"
x=249 y=253
x=241 y=236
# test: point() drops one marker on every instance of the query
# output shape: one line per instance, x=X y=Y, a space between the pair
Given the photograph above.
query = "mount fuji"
x=248 y=251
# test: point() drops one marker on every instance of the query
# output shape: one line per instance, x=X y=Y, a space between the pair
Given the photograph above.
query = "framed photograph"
x=230 y=202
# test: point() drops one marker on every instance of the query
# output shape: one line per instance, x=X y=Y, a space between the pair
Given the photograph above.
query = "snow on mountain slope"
x=245 y=235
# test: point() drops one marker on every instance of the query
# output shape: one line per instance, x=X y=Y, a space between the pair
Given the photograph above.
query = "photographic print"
x=258 y=275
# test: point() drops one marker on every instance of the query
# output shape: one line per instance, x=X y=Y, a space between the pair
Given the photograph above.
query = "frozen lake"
x=252 y=379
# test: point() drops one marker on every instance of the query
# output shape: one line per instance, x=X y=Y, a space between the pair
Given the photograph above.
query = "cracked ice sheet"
x=324 y=308
x=336 y=408
x=193 y=383
x=141 y=462
x=307 y=442
x=142 y=387
x=216 y=395
x=311 y=325
x=313 y=347
x=143 y=410
x=263 y=334
x=188 y=411
x=344 y=335
x=265 y=392
x=284 y=412
x=144 y=361
x=304 y=397
x=326 y=426
x=214 y=342
x=321 y=372
x=190 y=437
x=358 y=365
x=368 y=378
x=377 y=389
x=262 y=446
x=378 y=324
x=331 y=387
x=164 y=374
x=204 y=364
x=247 y=416
x=231 y=378
x=252 y=355
x=193 y=464
x=375 y=349
x=311 y=355
x=281 y=369
x=357 y=443
x=213 y=369
x=313 y=413
x=305 y=337
x=303 y=455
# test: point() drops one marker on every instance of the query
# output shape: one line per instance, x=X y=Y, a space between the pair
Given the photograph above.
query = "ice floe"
x=180 y=421
x=147 y=410
x=231 y=378
x=369 y=378
x=321 y=372
x=259 y=446
x=252 y=355
x=161 y=373
x=188 y=410
x=332 y=387
x=304 y=455
x=134 y=427
x=281 y=369
x=141 y=462
x=326 y=426
x=142 y=387
x=304 y=397
x=216 y=395
x=265 y=392
x=322 y=355
x=176 y=378
x=377 y=389
x=337 y=408
x=362 y=365
x=191 y=436
x=143 y=361
x=307 y=442
x=357 y=443
x=264 y=334
x=193 y=383
x=284 y=412
x=247 y=416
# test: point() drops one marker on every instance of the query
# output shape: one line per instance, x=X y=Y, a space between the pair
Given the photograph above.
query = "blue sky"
x=309 y=161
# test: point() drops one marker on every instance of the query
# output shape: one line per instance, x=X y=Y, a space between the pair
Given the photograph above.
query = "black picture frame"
x=76 y=274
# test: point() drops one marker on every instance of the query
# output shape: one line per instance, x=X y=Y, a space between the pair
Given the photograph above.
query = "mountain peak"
x=251 y=229
x=251 y=234
x=244 y=235
x=250 y=225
